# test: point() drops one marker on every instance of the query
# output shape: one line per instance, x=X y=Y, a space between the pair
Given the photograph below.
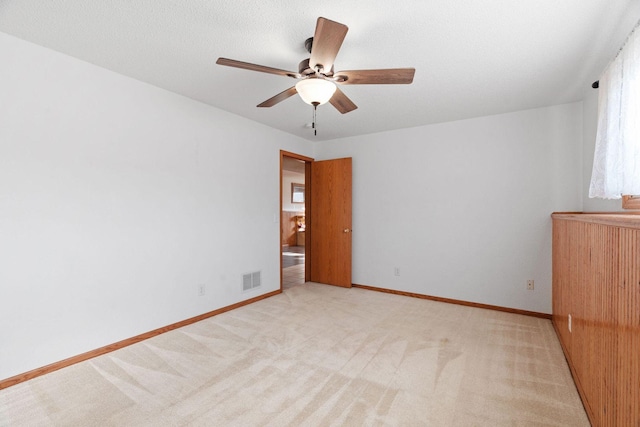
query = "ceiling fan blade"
x=279 y=97
x=342 y=102
x=326 y=43
x=391 y=76
x=255 y=67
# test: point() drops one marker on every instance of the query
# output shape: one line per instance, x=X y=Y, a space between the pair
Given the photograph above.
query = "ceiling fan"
x=318 y=80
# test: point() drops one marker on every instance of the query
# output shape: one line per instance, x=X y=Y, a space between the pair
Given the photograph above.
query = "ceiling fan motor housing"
x=304 y=69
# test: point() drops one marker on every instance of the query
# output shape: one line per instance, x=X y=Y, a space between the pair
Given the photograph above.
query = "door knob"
x=347 y=230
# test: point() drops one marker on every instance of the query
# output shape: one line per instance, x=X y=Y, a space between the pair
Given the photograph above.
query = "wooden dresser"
x=596 y=311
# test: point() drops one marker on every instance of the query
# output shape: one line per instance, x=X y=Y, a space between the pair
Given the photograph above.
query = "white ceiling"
x=472 y=57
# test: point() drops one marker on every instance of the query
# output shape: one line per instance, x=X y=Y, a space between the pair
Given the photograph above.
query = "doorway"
x=294 y=190
x=315 y=221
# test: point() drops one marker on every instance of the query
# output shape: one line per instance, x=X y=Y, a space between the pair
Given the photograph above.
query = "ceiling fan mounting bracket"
x=308 y=44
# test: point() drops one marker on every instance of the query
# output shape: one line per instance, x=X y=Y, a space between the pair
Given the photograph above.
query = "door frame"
x=307 y=206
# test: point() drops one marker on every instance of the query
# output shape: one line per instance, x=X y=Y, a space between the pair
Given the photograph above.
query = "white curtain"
x=616 y=164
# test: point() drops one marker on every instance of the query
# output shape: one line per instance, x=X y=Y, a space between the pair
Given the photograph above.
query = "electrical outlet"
x=530 y=285
x=569 y=325
x=396 y=271
x=201 y=290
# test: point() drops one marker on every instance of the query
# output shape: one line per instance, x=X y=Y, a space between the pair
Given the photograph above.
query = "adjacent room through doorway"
x=293 y=217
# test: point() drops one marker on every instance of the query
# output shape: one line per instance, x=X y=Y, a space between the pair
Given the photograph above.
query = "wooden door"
x=330 y=222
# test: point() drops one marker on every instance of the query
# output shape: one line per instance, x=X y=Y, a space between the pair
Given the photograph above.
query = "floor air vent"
x=251 y=280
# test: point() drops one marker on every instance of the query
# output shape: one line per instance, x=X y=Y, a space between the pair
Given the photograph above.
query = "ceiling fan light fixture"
x=315 y=91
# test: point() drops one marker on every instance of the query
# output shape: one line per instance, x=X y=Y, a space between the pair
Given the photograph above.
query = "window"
x=616 y=162
x=297 y=193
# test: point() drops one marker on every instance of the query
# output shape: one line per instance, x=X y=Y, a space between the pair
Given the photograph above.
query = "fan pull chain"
x=313 y=124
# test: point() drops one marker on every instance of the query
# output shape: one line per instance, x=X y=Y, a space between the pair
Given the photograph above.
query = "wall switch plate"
x=201 y=290
x=530 y=285
x=396 y=271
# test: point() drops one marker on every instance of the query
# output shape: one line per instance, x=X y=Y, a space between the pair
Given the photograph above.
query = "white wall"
x=117 y=199
x=463 y=208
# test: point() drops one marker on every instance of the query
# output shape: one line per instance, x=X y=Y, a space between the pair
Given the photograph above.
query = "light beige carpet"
x=319 y=355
